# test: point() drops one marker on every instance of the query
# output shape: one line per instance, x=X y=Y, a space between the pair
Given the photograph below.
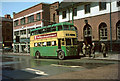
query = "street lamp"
x=110 y=29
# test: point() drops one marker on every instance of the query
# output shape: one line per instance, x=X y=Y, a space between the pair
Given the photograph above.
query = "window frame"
x=118 y=3
x=64 y=14
x=86 y=30
x=103 y=34
x=22 y=21
x=102 y=7
x=30 y=19
x=75 y=11
x=118 y=32
x=38 y=16
x=16 y=23
x=87 y=8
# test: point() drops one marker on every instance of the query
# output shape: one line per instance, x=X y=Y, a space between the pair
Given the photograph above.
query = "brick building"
x=36 y=16
x=95 y=21
x=7 y=31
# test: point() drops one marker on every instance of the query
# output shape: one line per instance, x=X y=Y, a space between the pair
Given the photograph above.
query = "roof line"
x=32 y=7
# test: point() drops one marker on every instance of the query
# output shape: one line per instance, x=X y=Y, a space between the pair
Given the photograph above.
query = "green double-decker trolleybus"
x=57 y=40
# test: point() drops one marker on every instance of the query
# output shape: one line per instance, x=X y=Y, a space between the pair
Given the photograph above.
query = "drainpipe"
x=110 y=30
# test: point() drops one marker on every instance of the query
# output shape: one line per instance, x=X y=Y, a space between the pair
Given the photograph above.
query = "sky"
x=10 y=6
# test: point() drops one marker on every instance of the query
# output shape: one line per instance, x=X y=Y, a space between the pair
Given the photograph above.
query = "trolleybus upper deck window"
x=59 y=28
x=48 y=29
x=72 y=27
x=65 y=27
x=54 y=28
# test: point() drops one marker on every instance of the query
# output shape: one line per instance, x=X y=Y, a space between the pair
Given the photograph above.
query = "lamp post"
x=110 y=30
x=72 y=13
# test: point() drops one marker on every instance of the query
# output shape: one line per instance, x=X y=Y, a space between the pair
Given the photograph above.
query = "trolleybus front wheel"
x=61 y=55
x=37 y=55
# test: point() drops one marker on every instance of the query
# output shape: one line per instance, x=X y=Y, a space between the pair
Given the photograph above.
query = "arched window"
x=118 y=30
x=87 y=31
x=103 y=31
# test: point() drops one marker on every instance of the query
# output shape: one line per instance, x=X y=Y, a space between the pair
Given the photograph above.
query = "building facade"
x=31 y=18
x=7 y=31
x=95 y=21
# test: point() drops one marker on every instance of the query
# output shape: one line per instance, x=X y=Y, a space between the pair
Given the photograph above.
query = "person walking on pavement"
x=93 y=49
x=103 y=49
x=89 y=50
x=84 y=49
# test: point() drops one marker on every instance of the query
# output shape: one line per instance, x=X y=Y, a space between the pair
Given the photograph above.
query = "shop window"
x=16 y=33
x=22 y=32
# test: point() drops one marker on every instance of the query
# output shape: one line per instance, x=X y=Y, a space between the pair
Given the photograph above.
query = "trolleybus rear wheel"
x=37 y=55
x=61 y=55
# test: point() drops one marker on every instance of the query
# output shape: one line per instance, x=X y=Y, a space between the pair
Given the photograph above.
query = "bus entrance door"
x=59 y=43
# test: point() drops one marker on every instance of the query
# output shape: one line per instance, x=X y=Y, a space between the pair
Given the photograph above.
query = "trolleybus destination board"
x=45 y=36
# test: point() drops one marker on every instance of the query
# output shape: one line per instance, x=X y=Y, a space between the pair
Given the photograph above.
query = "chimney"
x=8 y=16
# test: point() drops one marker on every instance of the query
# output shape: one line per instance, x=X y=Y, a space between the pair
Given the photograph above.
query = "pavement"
x=98 y=56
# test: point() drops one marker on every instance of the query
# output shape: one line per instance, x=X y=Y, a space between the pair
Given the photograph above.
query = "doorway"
x=88 y=40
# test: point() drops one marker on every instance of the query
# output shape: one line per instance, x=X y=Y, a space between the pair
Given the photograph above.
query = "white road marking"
x=36 y=71
x=66 y=66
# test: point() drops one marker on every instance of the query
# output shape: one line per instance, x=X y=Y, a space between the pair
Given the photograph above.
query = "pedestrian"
x=103 y=49
x=93 y=49
x=88 y=49
x=25 y=49
x=84 y=49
